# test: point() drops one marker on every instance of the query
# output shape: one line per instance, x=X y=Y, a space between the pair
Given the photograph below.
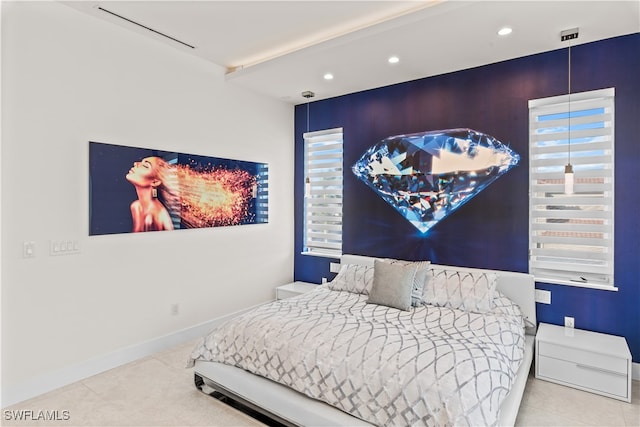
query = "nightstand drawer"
x=572 y=373
x=282 y=294
x=294 y=289
x=590 y=361
x=582 y=357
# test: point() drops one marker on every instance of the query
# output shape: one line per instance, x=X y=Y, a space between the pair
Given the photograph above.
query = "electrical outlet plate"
x=569 y=322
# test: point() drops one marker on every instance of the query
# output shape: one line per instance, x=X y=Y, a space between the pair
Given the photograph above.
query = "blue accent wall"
x=491 y=230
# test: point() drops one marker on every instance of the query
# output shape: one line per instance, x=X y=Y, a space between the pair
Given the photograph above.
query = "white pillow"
x=421 y=277
x=469 y=291
x=354 y=278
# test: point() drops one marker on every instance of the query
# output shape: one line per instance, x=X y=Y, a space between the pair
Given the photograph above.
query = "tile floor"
x=159 y=391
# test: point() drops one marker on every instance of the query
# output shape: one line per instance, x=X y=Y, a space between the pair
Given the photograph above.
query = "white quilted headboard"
x=518 y=287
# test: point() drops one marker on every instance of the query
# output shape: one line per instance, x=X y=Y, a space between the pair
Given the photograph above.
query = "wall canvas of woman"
x=137 y=189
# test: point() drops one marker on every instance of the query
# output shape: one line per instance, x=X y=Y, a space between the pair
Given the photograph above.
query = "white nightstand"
x=294 y=289
x=590 y=361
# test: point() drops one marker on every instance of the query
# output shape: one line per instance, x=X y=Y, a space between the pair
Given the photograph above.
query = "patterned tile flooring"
x=159 y=391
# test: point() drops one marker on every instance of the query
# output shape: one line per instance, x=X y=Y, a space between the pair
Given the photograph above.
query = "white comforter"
x=428 y=366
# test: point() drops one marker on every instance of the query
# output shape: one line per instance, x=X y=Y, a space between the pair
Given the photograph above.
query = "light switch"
x=64 y=247
x=29 y=249
x=543 y=296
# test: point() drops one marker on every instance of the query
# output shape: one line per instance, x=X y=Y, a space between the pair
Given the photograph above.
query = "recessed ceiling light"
x=328 y=76
x=393 y=60
x=504 y=31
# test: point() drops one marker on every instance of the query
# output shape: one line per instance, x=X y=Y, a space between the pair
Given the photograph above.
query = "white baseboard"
x=635 y=371
x=65 y=376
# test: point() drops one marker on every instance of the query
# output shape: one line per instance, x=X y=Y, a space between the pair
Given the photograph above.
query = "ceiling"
x=282 y=48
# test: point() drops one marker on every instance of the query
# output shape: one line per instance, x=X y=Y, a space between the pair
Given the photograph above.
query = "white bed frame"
x=291 y=408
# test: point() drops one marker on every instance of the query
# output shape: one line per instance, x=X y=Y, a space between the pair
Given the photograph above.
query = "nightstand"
x=294 y=289
x=589 y=361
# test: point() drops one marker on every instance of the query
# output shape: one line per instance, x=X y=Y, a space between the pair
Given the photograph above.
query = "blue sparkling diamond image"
x=426 y=176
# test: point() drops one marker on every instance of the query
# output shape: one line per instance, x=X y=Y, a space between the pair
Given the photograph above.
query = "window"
x=571 y=235
x=323 y=193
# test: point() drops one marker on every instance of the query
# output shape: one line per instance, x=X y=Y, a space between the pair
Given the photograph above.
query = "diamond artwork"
x=426 y=176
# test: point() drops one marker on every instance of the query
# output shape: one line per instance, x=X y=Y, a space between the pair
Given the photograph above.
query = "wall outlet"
x=569 y=322
x=324 y=280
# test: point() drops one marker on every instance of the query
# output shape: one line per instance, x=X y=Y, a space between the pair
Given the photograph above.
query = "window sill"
x=322 y=255
x=577 y=284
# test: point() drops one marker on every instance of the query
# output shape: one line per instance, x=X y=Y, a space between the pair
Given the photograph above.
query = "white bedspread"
x=428 y=366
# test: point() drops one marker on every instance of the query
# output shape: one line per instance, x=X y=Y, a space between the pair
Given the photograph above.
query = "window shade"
x=571 y=235
x=323 y=192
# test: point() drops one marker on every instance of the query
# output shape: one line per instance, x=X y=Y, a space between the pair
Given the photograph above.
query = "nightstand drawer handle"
x=593 y=368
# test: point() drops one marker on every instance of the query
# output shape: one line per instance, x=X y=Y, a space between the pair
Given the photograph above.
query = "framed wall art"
x=139 y=189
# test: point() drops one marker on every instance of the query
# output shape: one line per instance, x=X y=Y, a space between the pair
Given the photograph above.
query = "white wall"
x=68 y=78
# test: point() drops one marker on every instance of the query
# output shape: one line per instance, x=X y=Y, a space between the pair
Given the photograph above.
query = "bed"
x=336 y=356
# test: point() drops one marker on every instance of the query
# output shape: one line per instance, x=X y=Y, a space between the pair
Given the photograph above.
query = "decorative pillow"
x=469 y=291
x=392 y=285
x=353 y=278
x=422 y=275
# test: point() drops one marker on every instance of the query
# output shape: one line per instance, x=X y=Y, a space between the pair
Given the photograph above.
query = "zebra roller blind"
x=323 y=192
x=571 y=235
